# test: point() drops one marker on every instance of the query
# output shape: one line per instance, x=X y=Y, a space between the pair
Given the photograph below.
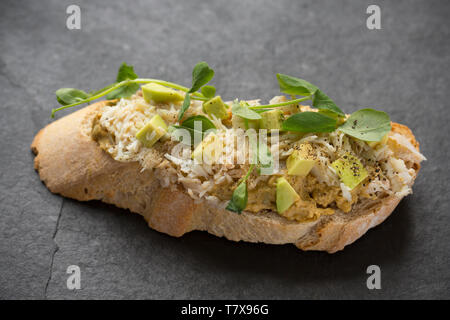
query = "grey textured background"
x=402 y=69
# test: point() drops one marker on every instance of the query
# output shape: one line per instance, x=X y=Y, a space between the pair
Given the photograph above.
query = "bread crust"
x=71 y=163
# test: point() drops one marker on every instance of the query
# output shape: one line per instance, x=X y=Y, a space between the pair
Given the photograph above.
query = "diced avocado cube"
x=350 y=170
x=154 y=92
x=197 y=154
x=216 y=107
x=152 y=131
x=241 y=123
x=383 y=141
x=271 y=120
x=286 y=195
x=301 y=161
x=208 y=150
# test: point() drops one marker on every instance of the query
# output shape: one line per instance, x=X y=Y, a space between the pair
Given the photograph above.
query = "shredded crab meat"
x=346 y=192
x=126 y=118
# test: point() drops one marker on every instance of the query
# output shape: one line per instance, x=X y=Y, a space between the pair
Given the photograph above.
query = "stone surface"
x=402 y=69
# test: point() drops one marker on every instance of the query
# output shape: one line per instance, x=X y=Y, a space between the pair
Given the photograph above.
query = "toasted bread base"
x=70 y=163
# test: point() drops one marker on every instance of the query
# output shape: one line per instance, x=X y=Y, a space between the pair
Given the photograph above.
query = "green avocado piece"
x=154 y=92
x=350 y=170
x=300 y=162
x=272 y=119
x=152 y=131
x=375 y=144
x=216 y=107
x=286 y=195
x=241 y=123
x=208 y=150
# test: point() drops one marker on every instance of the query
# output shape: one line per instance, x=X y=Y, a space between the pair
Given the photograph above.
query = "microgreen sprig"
x=206 y=125
x=80 y=99
x=125 y=72
x=239 y=198
x=201 y=75
x=281 y=104
x=127 y=83
x=242 y=110
x=365 y=124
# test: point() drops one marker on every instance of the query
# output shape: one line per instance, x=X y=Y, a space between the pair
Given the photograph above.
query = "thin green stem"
x=282 y=104
x=199 y=98
x=250 y=170
x=99 y=94
x=94 y=97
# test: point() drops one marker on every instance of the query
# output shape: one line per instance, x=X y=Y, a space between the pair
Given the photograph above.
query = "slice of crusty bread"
x=70 y=163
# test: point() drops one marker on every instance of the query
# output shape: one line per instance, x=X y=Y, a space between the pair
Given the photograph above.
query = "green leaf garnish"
x=322 y=102
x=206 y=123
x=185 y=106
x=208 y=91
x=123 y=92
x=309 y=122
x=243 y=111
x=201 y=75
x=125 y=72
x=172 y=130
x=367 y=125
x=189 y=124
x=239 y=198
x=295 y=86
x=66 y=96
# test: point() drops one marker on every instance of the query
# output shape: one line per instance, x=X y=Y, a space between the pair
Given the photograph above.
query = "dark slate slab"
x=402 y=69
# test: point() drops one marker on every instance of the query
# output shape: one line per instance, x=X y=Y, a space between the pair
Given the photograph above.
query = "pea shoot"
x=366 y=124
x=127 y=83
